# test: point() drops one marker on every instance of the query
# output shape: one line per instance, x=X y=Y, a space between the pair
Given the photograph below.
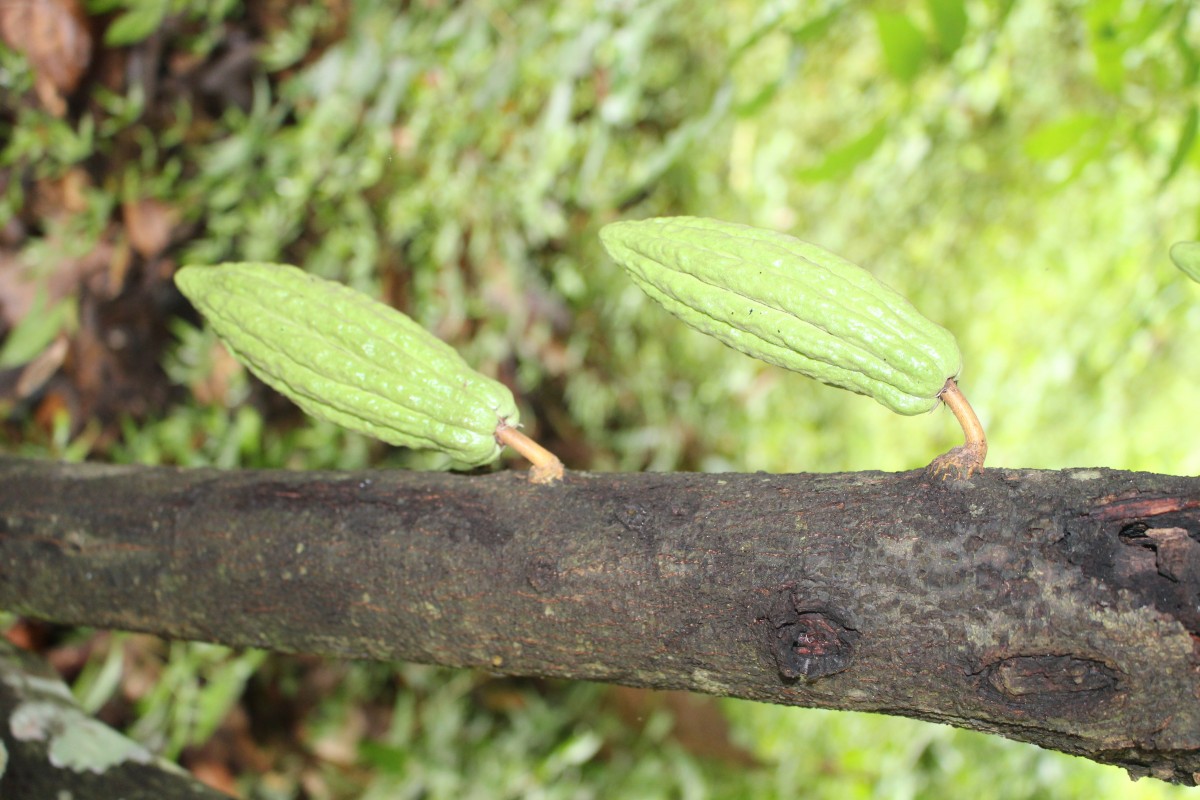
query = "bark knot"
x=811 y=644
x=1062 y=684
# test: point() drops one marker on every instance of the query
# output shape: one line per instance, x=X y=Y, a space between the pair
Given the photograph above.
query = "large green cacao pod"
x=346 y=358
x=789 y=303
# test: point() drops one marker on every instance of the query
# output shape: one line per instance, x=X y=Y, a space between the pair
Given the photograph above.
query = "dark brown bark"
x=1059 y=608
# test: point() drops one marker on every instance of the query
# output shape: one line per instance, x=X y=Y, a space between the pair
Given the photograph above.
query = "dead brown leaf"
x=215 y=387
x=42 y=368
x=215 y=775
x=54 y=36
x=19 y=282
x=149 y=223
x=57 y=401
x=54 y=198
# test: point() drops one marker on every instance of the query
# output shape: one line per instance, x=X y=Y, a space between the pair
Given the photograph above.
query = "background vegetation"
x=1018 y=169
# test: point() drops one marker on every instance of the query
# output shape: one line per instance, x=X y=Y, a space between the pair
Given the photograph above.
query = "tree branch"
x=50 y=748
x=1058 y=608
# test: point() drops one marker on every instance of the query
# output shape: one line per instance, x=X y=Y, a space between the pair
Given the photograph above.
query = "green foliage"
x=904 y=46
x=192 y=695
x=39 y=328
x=838 y=162
x=137 y=19
x=441 y=744
x=916 y=760
x=1059 y=137
x=45 y=144
x=1186 y=256
x=949 y=23
x=1185 y=145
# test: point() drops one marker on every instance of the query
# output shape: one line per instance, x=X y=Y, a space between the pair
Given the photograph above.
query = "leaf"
x=767 y=93
x=141 y=20
x=1183 y=148
x=44 y=366
x=97 y=7
x=841 y=161
x=37 y=329
x=149 y=223
x=1186 y=51
x=1054 y=139
x=904 y=46
x=818 y=28
x=1186 y=256
x=950 y=22
x=1106 y=43
x=53 y=35
x=810 y=31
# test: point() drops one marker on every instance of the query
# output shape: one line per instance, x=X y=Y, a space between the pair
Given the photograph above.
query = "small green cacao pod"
x=1186 y=256
x=789 y=303
x=346 y=358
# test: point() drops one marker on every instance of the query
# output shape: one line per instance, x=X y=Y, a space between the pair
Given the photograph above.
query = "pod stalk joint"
x=546 y=469
x=966 y=459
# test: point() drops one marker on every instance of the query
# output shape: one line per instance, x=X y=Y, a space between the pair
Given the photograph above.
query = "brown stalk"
x=967 y=458
x=546 y=466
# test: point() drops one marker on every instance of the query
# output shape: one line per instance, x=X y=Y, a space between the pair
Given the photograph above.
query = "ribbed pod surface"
x=789 y=303
x=346 y=358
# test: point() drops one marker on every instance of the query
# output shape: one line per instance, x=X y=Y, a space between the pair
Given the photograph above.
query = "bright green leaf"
x=950 y=22
x=1183 y=148
x=767 y=93
x=1186 y=256
x=904 y=46
x=36 y=330
x=841 y=161
x=1054 y=139
x=817 y=28
x=137 y=23
x=1187 y=51
x=1106 y=43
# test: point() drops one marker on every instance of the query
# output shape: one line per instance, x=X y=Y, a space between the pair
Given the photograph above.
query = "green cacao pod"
x=1186 y=256
x=346 y=358
x=789 y=303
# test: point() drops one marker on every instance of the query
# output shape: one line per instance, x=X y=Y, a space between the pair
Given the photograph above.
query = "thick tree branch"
x=1058 y=608
x=50 y=748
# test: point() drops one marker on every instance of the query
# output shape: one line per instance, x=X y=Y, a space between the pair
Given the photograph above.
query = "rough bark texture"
x=50 y=749
x=1058 y=608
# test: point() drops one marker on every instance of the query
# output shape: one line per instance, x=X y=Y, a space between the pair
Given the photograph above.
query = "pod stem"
x=968 y=458
x=546 y=466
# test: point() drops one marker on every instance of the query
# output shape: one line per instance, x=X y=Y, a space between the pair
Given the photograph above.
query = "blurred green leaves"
x=949 y=23
x=41 y=325
x=1075 y=141
x=903 y=43
x=135 y=20
x=907 y=47
x=1186 y=256
x=840 y=160
x=1185 y=145
x=1055 y=139
x=1118 y=29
